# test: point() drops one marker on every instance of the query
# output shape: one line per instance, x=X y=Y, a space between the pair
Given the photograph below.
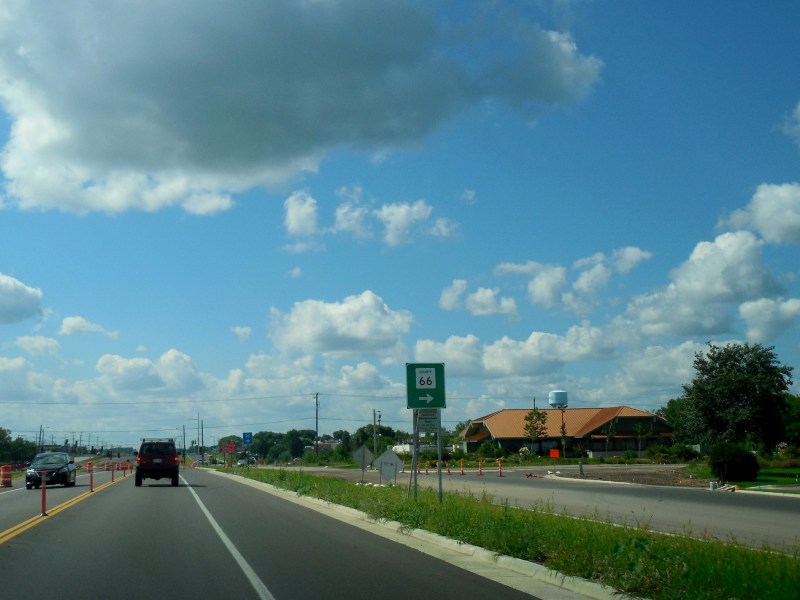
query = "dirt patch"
x=667 y=476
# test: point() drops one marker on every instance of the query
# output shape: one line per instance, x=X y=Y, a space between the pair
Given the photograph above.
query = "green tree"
x=791 y=420
x=675 y=414
x=344 y=438
x=737 y=396
x=536 y=426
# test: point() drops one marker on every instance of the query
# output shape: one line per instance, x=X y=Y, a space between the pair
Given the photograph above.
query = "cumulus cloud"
x=773 y=212
x=766 y=318
x=19 y=380
x=791 y=125
x=450 y=298
x=243 y=333
x=399 y=218
x=301 y=214
x=485 y=302
x=352 y=216
x=626 y=259
x=174 y=372
x=118 y=106
x=38 y=345
x=80 y=326
x=717 y=276
x=539 y=354
x=18 y=301
x=357 y=324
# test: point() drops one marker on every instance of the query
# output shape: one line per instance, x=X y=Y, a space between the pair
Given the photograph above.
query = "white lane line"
x=258 y=585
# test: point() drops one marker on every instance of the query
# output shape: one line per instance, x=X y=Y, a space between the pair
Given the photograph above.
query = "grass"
x=633 y=560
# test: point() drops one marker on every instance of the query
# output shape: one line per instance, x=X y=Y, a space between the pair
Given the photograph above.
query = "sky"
x=224 y=215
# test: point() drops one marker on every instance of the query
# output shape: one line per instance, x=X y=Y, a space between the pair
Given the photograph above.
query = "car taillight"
x=176 y=459
x=138 y=460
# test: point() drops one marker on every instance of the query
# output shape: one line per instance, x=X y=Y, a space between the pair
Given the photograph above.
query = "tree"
x=536 y=425
x=737 y=396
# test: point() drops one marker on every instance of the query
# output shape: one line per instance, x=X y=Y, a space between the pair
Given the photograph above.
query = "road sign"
x=389 y=464
x=363 y=457
x=429 y=420
x=247 y=438
x=425 y=385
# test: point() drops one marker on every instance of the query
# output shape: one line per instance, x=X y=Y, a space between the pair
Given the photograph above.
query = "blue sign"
x=247 y=438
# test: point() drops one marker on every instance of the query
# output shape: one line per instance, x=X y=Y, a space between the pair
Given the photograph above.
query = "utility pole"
x=316 y=424
x=375 y=414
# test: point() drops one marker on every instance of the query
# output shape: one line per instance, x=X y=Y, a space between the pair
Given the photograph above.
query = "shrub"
x=730 y=462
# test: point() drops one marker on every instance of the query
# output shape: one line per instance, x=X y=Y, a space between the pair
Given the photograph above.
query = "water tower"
x=558 y=399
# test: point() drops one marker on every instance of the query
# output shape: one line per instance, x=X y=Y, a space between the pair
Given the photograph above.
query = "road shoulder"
x=521 y=575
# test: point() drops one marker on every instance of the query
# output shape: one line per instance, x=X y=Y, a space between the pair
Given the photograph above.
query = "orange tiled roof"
x=510 y=422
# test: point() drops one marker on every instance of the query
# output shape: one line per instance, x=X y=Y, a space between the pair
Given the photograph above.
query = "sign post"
x=426 y=396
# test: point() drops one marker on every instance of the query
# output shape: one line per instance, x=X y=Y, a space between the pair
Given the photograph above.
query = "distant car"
x=241 y=463
x=157 y=459
x=59 y=467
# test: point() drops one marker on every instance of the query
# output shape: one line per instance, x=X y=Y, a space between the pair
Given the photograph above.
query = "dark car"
x=157 y=459
x=59 y=466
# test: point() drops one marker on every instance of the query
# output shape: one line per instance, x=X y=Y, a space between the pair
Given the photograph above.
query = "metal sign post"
x=426 y=396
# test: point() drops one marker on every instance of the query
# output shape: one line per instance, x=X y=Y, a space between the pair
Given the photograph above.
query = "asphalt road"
x=752 y=518
x=211 y=537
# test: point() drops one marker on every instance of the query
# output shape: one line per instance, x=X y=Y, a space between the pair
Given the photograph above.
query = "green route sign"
x=425 y=385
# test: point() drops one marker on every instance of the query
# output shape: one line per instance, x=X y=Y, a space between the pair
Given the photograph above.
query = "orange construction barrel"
x=5 y=476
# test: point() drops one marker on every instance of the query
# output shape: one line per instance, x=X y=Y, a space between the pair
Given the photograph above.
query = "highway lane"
x=214 y=536
x=752 y=518
x=18 y=504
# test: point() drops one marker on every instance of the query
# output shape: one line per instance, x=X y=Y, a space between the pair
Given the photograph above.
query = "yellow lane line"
x=14 y=531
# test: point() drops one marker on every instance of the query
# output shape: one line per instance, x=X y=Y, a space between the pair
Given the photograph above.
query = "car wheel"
x=29 y=486
x=138 y=480
x=174 y=481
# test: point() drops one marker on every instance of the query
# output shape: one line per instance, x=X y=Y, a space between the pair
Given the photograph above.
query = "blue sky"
x=218 y=214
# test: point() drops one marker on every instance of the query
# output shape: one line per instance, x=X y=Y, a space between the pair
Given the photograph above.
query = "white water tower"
x=558 y=399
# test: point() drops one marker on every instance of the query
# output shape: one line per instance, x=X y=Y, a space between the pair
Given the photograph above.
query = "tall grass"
x=630 y=559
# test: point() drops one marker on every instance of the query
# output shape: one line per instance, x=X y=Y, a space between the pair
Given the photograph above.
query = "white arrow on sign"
x=427 y=397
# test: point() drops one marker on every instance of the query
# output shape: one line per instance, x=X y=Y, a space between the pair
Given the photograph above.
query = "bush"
x=730 y=462
x=678 y=452
x=489 y=450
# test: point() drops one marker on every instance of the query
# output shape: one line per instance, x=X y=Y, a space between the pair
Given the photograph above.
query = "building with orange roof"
x=608 y=431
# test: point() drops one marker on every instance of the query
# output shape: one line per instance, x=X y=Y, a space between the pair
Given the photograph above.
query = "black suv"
x=157 y=459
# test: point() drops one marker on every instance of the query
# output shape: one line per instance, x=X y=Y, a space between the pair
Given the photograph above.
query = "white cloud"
x=585 y=294
x=173 y=372
x=18 y=301
x=37 y=345
x=399 y=218
x=301 y=214
x=791 y=125
x=19 y=380
x=450 y=298
x=773 y=212
x=107 y=114
x=484 y=302
x=546 y=285
x=352 y=218
x=243 y=333
x=766 y=318
x=716 y=277
x=628 y=258
x=80 y=326
x=128 y=374
x=358 y=324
